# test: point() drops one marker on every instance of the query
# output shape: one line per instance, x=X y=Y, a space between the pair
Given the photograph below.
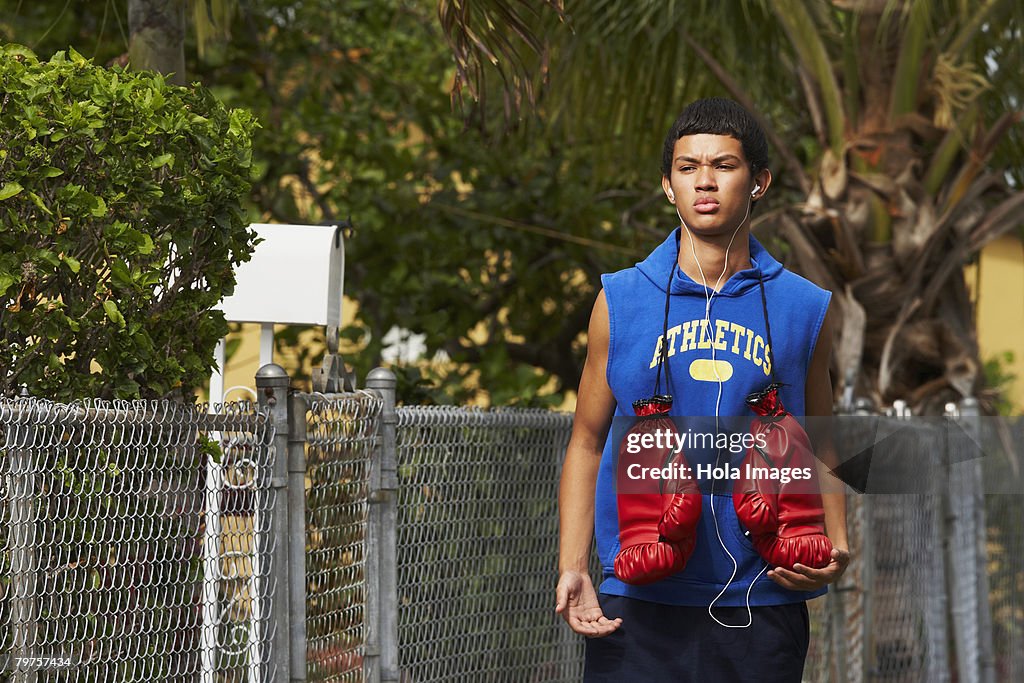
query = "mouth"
x=706 y=205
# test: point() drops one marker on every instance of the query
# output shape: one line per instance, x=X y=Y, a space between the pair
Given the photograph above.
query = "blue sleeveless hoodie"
x=636 y=310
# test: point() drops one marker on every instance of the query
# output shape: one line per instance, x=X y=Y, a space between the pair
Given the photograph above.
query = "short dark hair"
x=718 y=116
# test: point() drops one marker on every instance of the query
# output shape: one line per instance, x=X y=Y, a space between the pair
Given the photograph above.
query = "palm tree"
x=892 y=122
x=157 y=29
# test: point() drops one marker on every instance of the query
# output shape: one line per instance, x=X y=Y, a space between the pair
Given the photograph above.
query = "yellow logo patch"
x=707 y=370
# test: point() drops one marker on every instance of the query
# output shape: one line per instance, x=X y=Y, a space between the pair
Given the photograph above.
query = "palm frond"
x=506 y=37
x=806 y=38
x=212 y=22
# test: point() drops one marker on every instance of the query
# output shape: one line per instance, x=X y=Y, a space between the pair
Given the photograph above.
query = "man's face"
x=710 y=183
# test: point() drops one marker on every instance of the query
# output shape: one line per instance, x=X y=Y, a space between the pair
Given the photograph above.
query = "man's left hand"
x=802 y=578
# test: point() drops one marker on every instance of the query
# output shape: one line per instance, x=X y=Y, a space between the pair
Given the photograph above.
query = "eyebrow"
x=723 y=157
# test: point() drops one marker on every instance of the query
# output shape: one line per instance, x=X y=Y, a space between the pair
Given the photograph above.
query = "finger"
x=582 y=620
x=827 y=574
x=564 y=593
x=561 y=598
x=559 y=601
x=841 y=557
x=585 y=628
x=608 y=626
x=811 y=572
x=791 y=580
x=804 y=582
x=603 y=627
x=787 y=574
x=778 y=578
x=581 y=627
x=593 y=620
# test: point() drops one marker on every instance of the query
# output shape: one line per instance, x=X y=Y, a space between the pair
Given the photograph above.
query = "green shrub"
x=121 y=220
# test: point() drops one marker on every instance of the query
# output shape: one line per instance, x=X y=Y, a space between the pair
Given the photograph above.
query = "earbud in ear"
x=757 y=188
x=671 y=197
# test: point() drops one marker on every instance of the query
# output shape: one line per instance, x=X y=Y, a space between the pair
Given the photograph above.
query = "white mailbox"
x=295 y=277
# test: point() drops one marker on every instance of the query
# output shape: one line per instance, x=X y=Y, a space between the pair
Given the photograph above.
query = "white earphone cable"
x=709 y=296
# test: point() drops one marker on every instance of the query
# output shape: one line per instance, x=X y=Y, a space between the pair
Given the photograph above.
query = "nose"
x=705 y=180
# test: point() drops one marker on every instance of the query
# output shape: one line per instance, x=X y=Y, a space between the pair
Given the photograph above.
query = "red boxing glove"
x=657 y=530
x=786 y=520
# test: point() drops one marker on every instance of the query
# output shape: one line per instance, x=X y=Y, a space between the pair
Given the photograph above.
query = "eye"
x=685 y=169
x=726 y=167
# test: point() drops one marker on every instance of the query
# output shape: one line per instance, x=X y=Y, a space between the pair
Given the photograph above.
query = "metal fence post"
x=272 y=390
x=297 y=534
x=970 y=414
x=958 y=605
x=21 y=496
x=381 y=663
x=865 y=626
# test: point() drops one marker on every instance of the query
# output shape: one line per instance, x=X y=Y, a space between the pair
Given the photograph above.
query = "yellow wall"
x=999 y=278
x=240 y=370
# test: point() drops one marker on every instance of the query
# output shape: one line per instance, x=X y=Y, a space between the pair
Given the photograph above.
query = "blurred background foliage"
x=480 y=240
x=484 y=227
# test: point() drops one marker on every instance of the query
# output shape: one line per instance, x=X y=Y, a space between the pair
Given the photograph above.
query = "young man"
x=699 y=303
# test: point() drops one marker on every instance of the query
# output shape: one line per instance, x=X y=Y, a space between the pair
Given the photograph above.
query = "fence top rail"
x=228 y=417
x=537 y=418
x=359 y=396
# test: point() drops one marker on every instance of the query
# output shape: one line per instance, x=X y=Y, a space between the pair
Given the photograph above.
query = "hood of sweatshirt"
x=663 y=259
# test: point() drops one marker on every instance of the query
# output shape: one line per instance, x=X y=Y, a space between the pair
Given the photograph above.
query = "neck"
x=710 y=251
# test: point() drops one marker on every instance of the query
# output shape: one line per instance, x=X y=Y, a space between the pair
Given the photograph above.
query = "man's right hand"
x=578 y=605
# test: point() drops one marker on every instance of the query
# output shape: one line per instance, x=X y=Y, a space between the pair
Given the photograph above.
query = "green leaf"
x=119 y=271
x=72 y=263
x=9 y=190
x=6 y=280
x=49 y=257
x=162 y=160
x=113 y=313
x=21 y=51
x=146 y=244
x=209 y=447
x=38 y=201
x=99 y=208
x=50 y=172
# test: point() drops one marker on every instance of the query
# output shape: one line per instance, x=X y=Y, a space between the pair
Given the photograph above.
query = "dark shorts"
x=670 y=644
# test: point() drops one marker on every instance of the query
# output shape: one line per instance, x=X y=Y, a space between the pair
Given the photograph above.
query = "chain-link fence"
x=133 y=544
x=934 y=570
x=341 y=437
x=477 y=546
x=886 y=619
x=936 y=588
x=1004 y=516
x=336 y=538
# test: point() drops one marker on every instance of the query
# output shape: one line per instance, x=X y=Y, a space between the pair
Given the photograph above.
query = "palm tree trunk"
x=157 y=42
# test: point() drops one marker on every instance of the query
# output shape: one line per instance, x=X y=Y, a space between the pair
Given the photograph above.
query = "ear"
x=764 y=179
x=667 y=188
